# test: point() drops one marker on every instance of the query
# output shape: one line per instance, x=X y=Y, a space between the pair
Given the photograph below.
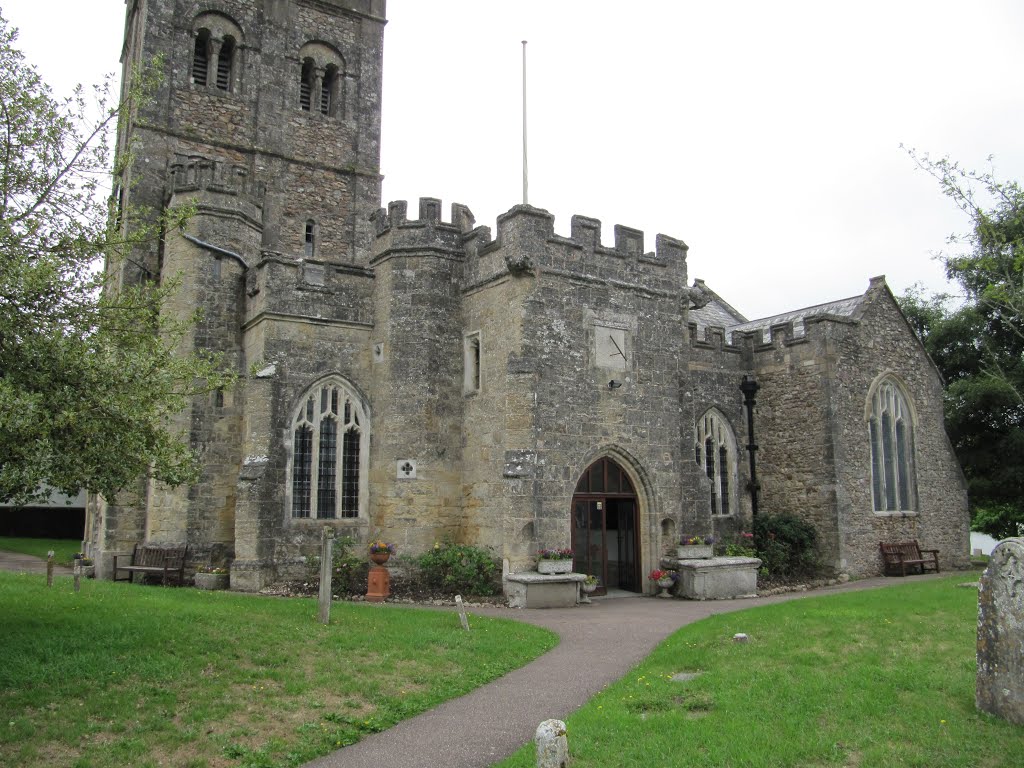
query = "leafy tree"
x=90 y=382
x=979 y=346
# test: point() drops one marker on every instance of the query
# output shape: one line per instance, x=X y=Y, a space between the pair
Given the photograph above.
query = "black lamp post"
x=749 y=387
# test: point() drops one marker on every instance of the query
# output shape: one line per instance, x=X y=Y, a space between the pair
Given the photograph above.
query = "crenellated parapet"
x=427 y=234
x=767 y=337
x=527 y=243
x=200 y=174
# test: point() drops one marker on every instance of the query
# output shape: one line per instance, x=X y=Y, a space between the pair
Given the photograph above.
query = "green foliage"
x=349 y=569
x=459 y=569
x=882 y=678
x=118 y=675
x=1000 y=521
x=786 y=545
x=978 y=345
x=90 y=382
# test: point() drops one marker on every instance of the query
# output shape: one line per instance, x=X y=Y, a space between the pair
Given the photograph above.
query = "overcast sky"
x=765 y=135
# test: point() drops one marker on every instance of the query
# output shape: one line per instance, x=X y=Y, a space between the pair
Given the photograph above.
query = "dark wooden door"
x=605 y=527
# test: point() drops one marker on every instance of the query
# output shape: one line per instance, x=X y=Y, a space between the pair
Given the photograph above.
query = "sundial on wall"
x=610 y=348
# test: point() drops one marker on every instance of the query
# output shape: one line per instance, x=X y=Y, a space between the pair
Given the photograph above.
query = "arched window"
x=309 y=241
x=215 y=48
x=328 y=90
x=891 y=431
x=329 y=453
x=306 y=85
x=224 y=63
x=201 y=57
x=715 y=452
x=320 y=79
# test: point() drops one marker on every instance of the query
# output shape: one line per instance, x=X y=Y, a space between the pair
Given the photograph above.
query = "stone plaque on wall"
x=1000 y=682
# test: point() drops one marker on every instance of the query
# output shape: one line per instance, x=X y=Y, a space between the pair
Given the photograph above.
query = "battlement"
x=784 y=333
x=396 y=216
x=525 y=221
x=200 y=174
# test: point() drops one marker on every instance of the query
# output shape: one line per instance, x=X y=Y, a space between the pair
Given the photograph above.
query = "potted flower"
x=554 y=561
x=380 y=551
x=665 y=579
x=84 y=565
x=212 y=577
x=587 y=587
x=696 y=548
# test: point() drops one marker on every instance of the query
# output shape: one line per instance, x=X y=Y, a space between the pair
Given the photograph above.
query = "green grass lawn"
x=879 y=678
x=120 y=675
x=63 y=549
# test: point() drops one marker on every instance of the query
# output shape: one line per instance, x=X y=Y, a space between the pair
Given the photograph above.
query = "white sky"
x=765 y=135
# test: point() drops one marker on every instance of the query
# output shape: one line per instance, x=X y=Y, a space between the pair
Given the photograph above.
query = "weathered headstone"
x=552 y=745
x=1000 y=680
x=462 y=612
x=326 y=571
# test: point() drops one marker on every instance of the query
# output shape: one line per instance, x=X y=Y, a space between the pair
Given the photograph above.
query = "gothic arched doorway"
x=605 y=526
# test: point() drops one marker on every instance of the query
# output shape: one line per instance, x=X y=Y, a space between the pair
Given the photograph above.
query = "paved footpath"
x=599 y=644
x=13 y=561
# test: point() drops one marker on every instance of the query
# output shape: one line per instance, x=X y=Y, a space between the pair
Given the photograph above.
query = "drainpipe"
x=749 y=387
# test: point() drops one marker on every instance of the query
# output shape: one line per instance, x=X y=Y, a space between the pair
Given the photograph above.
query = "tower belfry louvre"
x=420 y=377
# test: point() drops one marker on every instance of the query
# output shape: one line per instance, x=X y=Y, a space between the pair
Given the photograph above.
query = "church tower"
x=267 y=121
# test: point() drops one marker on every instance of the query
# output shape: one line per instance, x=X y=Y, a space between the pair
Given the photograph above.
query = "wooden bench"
x=901 y=555
x=158 y=561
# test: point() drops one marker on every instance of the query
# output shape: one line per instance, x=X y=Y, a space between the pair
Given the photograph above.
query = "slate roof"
x=718 y=314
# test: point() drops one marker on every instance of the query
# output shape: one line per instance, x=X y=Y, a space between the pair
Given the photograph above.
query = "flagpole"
x=526 y=199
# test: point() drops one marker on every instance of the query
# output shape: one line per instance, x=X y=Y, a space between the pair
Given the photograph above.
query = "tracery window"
x=891 y=431
x=329 y=450
x=715 y=453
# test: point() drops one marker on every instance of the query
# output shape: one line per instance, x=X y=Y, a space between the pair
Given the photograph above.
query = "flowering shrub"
x=786 y=545
x=591 y=580
x=658 y=574
x=378 y=546
x=691 y=540
x=82 y=558
x=555 y=554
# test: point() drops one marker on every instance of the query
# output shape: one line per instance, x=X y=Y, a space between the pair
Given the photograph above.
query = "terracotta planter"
x=379 y=558
x=695 y=551
x=554 y=566
x=213 y=581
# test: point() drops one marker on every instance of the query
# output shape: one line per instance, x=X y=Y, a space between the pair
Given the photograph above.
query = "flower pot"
x=379 y=558
x=554 y=566
x=212 y=580
x=588 y=588
x=695 y=551
x=87 y=571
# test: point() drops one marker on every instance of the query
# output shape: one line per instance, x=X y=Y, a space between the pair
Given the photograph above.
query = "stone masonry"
x=418 y=377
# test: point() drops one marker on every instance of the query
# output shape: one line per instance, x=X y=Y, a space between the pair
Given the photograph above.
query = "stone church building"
x=413 y=375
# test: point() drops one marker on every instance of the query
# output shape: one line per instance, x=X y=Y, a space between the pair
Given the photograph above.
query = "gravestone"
x=552 y=745
x=1000 y=681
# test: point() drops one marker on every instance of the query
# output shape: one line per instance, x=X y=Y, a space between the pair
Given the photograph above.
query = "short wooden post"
x=49 y=568
x=462 y=612
x=326 y=571
x=78 y=575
